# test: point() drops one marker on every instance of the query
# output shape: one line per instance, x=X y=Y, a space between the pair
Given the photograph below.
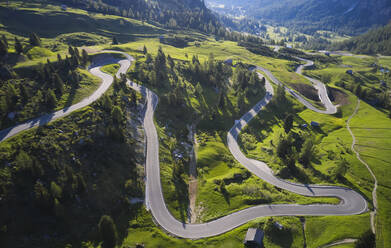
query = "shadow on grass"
x=282 y=238
x=226 y=197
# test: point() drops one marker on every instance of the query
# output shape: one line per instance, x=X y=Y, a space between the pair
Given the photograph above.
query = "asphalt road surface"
x=351 y=202
x=107 y=80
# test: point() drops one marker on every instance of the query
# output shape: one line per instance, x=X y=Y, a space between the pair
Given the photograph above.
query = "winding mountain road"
x=351 y=202
x=94 y=69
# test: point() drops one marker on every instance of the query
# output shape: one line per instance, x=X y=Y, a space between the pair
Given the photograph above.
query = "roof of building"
x=254 y=235
x=314 y=123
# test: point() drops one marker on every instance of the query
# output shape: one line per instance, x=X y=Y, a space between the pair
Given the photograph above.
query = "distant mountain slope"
x=171 y=13
x=375 y=41
x=346 y=16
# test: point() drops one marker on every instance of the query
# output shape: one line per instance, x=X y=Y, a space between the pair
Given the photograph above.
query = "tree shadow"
x=71 y=96
x=226 y=197
x=282 y=238
x=182 y=196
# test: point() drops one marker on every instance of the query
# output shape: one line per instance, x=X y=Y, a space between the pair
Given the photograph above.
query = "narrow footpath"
x=374 y=197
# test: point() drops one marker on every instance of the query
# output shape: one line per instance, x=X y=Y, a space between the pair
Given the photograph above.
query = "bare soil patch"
x=338 y=96
x=307 y=90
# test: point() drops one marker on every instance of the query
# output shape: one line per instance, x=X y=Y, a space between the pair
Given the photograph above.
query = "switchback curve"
x=351 y=201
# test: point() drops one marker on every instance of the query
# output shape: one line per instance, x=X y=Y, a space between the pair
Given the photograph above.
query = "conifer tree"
x=107 y=232
x=18 y=46
x=34 y=40
x=84 y=57
x=145 y=51
x=115 y=41
x=50 y=99
x=3 y=49
x=5 y=41
x=58 y=84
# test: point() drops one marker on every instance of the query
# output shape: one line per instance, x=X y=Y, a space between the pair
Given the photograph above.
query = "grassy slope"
x=110 y=69
x=327 y=229
x=58 y=28
x=223 y=51
x=87 y=86
x=371 y=128
x=216 y=163
x=333 y=137
x=363 y=72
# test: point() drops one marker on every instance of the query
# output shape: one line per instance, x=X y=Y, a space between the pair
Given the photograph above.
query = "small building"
x=327 y=53
x=350 y=72
x=254 y=238
x=315 y=124
x=63 y=7
x=228 y=62
x=304 y=126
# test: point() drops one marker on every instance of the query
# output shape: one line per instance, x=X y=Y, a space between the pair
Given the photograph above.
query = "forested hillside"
x=375 y=41
x=308 y=16
x=169 y=13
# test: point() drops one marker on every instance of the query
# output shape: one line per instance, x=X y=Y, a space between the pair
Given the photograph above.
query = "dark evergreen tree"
x=5 y=40
x=3 y=49
x=18 y=46
x=34 y=40
x=115 y=41
x=107 y=232
x=107 y=103
x=145 y=51
x=288 y=123
x=59 y=58
x=71 y=51
x=50 y=99
x=58 y=84
x=117 y=115
x=84 y=57
x=307 y=152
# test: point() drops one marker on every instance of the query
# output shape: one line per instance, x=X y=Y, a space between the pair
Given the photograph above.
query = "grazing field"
x=71 y=167
x=216 y=165
x=372 y=130
x=328 y=229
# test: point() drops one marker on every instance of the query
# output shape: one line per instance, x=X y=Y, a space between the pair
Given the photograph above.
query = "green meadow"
x=215 y=164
